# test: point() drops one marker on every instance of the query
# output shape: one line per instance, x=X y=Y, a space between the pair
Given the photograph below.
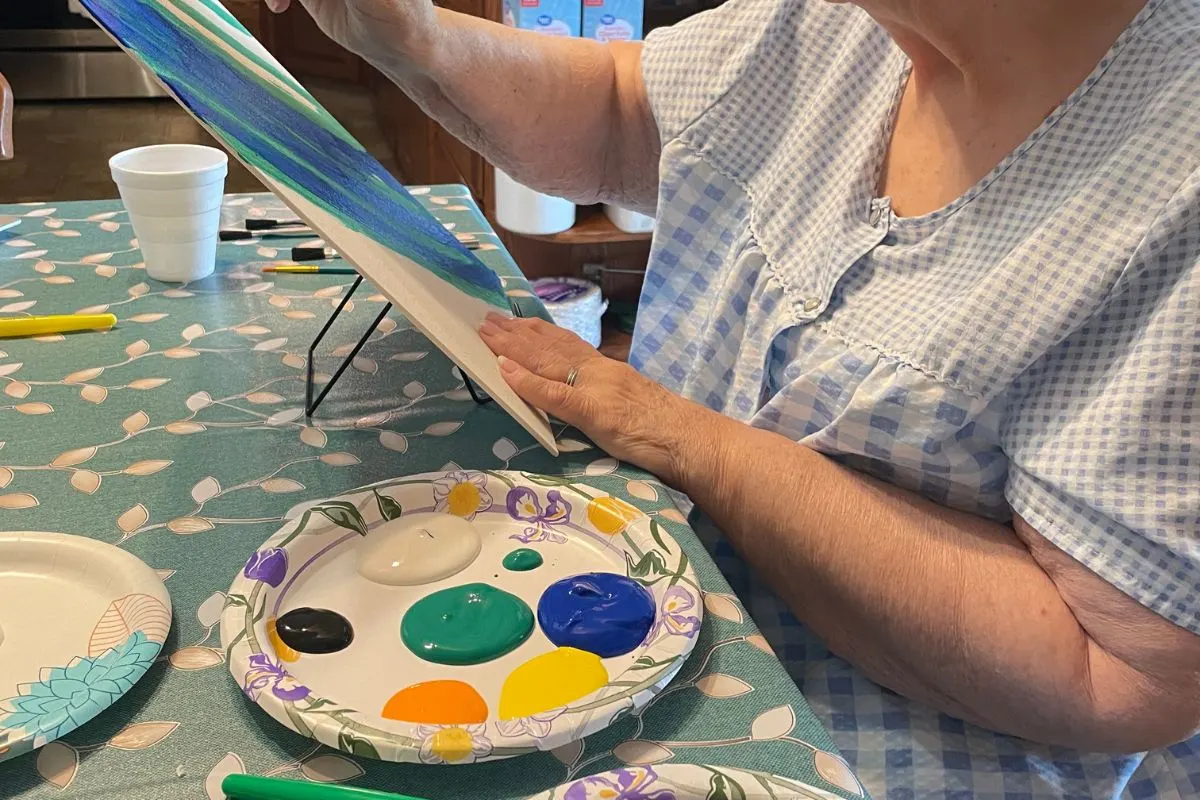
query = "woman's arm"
x=988 y=623
x=563 y=115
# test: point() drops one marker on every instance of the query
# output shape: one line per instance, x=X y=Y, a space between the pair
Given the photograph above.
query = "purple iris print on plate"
x=269 y=566
x=636 y=783
x=266 y=674
x=674 y=616
x=523 y=504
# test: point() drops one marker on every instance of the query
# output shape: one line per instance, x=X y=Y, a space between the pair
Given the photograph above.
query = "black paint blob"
x=314 y=630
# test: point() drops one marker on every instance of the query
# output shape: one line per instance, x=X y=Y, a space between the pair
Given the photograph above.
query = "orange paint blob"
x=282 y=651
x=437 y=703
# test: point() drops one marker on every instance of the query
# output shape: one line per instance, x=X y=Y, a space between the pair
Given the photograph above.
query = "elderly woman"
x=919 y=334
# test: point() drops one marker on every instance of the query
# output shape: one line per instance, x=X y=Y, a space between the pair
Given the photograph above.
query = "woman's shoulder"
x=1175 y=26
x=729 y=54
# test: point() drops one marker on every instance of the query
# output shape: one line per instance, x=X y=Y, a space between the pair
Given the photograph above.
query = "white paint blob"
x=417 y=549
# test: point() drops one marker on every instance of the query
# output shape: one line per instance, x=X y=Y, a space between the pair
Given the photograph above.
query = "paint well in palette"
x=551 y=680
x=416 y=549
x=317 y=631
x=600 y=612
x=523 y=560
x=437 y=703
x=469 y=624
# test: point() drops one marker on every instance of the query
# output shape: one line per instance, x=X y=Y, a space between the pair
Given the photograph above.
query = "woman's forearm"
x=987 y=622
x=938 y=605
x=563 y=115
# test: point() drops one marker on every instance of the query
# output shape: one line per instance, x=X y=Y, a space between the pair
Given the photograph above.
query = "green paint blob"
x=466 y=625
x=522 y=560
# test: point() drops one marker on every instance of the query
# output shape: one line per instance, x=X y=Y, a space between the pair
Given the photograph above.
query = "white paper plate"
x=80 y=622
x=685 y=782
x=339 y=698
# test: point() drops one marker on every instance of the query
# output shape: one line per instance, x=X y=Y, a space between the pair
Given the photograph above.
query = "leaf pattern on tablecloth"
x=231 y=764
x=57 y=764
x=142 y=735
x=181 y=435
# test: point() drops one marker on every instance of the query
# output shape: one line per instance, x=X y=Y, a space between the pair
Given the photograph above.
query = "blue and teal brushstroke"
x=297 y=144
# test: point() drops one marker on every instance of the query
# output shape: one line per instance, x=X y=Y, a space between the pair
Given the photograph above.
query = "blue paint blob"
x=601 y=613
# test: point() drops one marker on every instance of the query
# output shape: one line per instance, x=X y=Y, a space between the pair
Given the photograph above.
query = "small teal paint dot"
x=522 y=560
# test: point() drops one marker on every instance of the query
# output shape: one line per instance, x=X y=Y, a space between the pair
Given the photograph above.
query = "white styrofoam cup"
x=173 y=195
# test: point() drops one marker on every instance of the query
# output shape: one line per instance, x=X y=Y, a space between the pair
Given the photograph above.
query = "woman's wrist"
x=692 y=437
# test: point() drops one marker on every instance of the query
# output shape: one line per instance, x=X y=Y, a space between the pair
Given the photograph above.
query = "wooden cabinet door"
x=294 y=38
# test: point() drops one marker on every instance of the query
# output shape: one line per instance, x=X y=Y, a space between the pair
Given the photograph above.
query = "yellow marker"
x=11 y=327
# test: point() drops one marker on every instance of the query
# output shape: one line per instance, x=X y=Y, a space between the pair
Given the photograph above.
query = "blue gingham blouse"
x=1033 y=348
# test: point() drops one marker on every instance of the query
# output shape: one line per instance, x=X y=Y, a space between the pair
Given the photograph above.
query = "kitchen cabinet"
x=296 y=41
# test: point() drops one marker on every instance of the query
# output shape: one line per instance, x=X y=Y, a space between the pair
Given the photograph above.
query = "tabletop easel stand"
x=311 y=404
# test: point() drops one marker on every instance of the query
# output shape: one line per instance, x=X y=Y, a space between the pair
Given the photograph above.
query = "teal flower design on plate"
x=66 y=697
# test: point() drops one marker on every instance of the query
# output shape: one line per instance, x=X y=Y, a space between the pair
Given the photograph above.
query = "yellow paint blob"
x=284 y=652
x=452 y=744
x=611 y=515
x=551 y=680
x=437 y=703
x=464 y=499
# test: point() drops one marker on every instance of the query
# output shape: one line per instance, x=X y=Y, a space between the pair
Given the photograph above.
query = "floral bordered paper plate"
x=344 y=699
x=80 y=622
x=684 y=782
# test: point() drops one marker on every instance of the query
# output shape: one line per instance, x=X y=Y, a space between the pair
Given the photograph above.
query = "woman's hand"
x=629 y=416
x=377 y=30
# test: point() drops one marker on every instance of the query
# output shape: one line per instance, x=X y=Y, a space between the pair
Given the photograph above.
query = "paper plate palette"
x=373 y=695
x=80 y=622
x=685 y=782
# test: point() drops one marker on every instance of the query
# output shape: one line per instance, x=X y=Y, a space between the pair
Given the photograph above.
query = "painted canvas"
x=218 y=71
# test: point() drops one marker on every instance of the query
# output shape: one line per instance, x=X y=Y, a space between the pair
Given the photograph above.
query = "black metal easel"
x=310 y=405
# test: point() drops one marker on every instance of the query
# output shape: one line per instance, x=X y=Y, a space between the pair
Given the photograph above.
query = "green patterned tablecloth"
x=180 y=437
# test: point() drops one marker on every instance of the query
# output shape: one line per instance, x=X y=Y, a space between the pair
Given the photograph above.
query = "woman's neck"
x=986 y=74
x=992 y=49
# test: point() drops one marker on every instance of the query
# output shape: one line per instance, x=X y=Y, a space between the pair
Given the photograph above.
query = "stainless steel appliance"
x=51 y=51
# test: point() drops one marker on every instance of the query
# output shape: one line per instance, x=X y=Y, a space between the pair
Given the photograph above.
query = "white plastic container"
x=173 y=195
x=522 y=210
x=629 y=221
x=574 y=304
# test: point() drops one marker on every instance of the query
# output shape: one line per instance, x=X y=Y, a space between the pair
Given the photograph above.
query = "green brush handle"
x=253 y=787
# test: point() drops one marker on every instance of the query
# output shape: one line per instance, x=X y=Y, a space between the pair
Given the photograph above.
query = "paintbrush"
x=324 y=253
x=259 y=224
x=242 y=236
x=297 y=269
x=313 y=253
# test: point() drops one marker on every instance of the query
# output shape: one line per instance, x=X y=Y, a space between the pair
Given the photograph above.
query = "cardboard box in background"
x=554 y=17
x=613 y=20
